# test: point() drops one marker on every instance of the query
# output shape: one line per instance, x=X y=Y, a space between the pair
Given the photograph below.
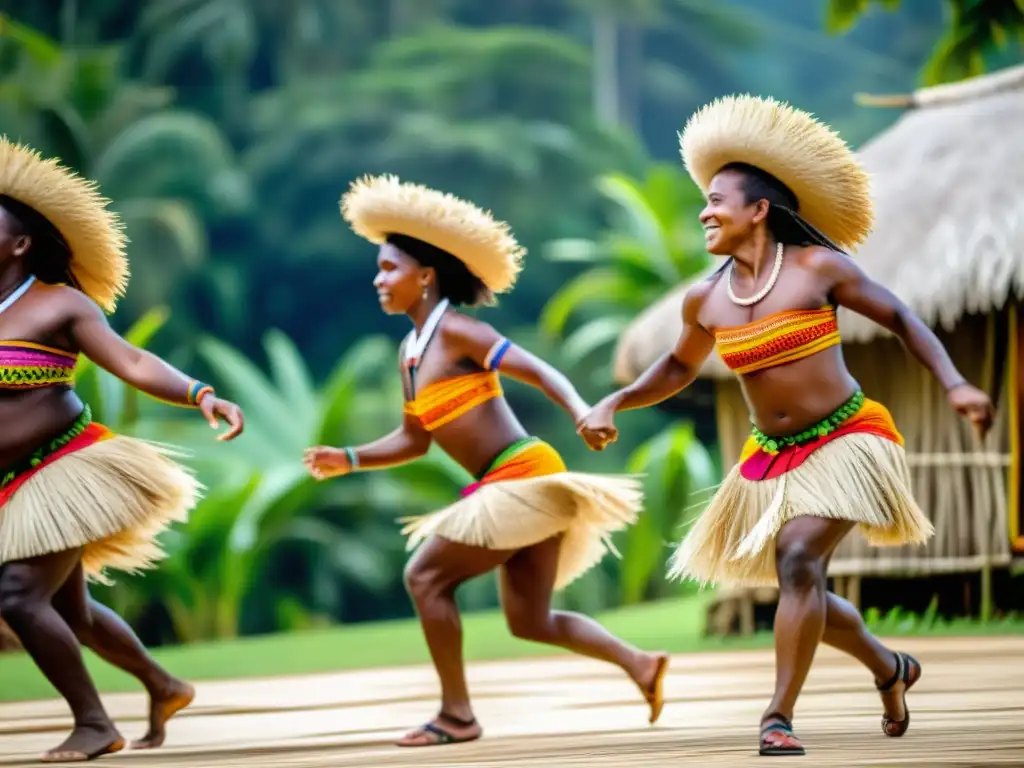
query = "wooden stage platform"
x=967 y=710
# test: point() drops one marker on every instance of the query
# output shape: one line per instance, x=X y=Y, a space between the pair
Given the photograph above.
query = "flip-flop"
x=443 y=736
x=904 y=664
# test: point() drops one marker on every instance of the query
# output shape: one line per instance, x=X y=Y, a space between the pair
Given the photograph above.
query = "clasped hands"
x=597 y=426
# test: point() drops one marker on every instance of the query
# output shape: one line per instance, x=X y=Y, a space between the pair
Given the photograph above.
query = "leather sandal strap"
x=901 y=673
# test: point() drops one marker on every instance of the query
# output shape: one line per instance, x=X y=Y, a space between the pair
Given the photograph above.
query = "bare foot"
x=444 y=729
x=86 y=742
x=906 y=672
x=163 y=705
x=650 y=679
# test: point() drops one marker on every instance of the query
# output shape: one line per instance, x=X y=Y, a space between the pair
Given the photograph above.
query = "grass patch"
x=674 y=625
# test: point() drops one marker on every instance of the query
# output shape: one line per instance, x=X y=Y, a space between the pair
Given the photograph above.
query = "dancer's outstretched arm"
x=853 y=289
x=90 y=331
x=668 y=375
x=482 y=344
x=407 y=443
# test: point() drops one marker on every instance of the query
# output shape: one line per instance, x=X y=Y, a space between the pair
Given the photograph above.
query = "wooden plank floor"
x=967 y=710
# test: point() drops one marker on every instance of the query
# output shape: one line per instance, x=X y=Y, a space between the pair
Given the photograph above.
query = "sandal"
x=904 y=664
x=443 y=736
x=784 y=742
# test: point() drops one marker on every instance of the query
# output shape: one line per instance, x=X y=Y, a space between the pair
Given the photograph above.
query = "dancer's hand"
x=214 y=410
x=597 y=428
x=324 y=462
x=974 y=405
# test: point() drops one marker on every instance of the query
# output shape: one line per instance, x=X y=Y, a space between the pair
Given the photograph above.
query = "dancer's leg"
x=109 y=637
x=432 y=576
x=527 y=582
x=845 y=630
x=27 y=588
x=802 y=549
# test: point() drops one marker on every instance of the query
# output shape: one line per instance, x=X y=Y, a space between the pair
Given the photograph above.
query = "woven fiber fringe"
x=858 y=477
x=516 y=514
x=112 y=498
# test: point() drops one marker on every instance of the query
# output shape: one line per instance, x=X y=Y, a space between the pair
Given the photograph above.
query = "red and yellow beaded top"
x=444 y=401
x=778 y=338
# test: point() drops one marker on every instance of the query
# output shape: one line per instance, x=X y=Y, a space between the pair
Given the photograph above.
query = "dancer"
x=75 y=498
x=784 y=196
x=542 y=524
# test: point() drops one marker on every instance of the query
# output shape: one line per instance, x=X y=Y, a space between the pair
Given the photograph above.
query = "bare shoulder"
x=697 y=296
x=827 y=264
x=456 y=327
x=66 y=301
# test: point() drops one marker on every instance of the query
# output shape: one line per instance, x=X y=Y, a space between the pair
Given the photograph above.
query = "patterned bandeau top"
x=444 y=401
x=26 y=365
x=777 y=339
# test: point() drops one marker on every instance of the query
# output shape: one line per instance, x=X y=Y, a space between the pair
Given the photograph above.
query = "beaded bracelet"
x=196 y=392
x=353 y=457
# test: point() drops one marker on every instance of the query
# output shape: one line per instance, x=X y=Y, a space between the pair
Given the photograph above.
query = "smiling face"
x=400 y=280
x=728 y=219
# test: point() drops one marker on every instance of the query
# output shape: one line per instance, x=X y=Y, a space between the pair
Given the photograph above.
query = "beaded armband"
x=353 y=458
x=495 y=354
x=197 y=391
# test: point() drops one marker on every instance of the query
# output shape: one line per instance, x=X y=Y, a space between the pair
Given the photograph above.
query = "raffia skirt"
x=110 y=494
x=858 y=472
x=528 y=496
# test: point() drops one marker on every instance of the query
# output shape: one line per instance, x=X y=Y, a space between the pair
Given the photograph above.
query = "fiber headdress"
x=379 y=206
x=75 y=207
x=803 y=153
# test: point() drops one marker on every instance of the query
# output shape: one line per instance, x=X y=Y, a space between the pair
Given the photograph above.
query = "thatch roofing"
x=949 y=232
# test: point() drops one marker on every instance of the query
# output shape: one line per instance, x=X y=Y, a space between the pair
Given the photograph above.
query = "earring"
x=425 y=291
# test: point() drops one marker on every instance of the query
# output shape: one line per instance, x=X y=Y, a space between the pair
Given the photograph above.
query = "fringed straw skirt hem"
x=109 y=494
x=505 y=512
x=860 y=477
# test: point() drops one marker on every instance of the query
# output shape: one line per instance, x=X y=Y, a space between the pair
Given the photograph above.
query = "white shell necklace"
x=767 y=286
x=414 y=349
x=16 y=294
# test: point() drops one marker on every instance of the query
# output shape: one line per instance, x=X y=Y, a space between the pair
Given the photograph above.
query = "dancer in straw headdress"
x=785 y=196
x=76 y=499
x=542 y=524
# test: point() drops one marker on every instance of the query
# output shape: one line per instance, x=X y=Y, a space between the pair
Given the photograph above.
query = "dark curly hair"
x=49 y=256
x=454 y=280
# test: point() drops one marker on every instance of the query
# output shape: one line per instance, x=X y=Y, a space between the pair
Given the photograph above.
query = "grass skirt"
x=858 y=473
x=528 y=496
x=91 y=488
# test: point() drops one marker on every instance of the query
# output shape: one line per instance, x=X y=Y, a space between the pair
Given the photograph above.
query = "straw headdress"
x=803 y=153
x=379 y=206
x=93 y=232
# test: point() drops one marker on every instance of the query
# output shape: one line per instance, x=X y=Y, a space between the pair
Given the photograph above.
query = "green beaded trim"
x=824 y=427
x=40 y=454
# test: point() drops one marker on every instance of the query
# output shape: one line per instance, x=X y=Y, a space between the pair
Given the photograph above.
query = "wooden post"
x=853 y=592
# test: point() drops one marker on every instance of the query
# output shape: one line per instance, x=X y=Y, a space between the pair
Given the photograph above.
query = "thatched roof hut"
x=949 y=241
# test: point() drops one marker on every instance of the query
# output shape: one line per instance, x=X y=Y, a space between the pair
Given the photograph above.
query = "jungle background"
x=225 y=132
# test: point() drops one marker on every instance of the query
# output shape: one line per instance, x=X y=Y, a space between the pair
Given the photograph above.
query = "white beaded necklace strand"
x=767 y=286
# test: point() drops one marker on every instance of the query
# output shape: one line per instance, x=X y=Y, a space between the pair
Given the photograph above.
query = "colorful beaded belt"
x=821 y=429
x=39 y=455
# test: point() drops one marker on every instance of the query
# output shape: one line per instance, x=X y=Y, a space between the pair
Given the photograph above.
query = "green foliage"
x=676 y=468
x=898 y=621
x=653 y=244
x=977 y=30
